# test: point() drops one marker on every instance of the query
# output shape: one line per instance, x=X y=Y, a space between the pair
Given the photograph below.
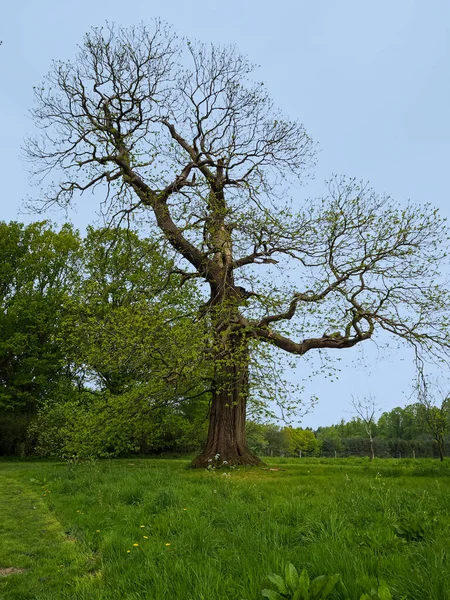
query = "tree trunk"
x=226 y=443
x=441 y=449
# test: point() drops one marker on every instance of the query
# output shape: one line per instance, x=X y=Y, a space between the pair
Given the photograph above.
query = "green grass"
x=73 y=528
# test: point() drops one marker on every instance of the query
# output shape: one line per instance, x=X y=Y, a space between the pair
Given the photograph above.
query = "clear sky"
x=369 y=80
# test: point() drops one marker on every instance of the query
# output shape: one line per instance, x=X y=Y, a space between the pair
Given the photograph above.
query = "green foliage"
x=382 y=593
x=129 y=322
x=93 y=425
x=302 y=440
x=295 y=587
x=38 y=266
x=287 y=441
x=98 y=344
x=413 y=528
x=14 y=439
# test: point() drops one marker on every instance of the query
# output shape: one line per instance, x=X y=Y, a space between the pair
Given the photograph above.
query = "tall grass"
x=152 y=529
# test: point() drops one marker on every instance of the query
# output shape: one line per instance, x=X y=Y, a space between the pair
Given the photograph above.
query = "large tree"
x=179 y=134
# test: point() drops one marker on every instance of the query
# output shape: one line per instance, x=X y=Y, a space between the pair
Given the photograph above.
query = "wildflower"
x=97 y=531
x=225 y=462
x=168 y=544
x=184 y=508
x=217 y=456
x=135 y=545
x=142 y=526
x=128 y=551
x=145 y=537
x=209 y=459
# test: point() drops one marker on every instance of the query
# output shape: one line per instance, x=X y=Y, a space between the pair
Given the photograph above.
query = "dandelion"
x=135 y=545
x=128 y=551
x=97 y=531
x=184 y=508
x=145 y=537
x=142 y=526
x=168 y=544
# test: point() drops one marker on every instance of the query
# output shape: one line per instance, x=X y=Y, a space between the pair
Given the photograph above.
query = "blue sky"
x=369 y=80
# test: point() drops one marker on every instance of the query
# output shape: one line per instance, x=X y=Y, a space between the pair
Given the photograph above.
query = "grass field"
x=152 y=529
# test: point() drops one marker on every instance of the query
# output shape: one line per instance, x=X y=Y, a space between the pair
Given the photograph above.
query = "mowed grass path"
x=153 y=530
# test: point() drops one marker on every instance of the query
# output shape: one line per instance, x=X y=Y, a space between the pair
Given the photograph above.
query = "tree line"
x=102 y=354
x=99 y=350
x=403 y=432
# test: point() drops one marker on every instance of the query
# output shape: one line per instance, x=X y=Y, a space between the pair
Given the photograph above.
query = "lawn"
x=152 y=529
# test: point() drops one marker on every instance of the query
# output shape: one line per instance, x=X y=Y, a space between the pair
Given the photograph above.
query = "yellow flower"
x=184 y=508
x=128 y=550
x=97 y=531
x=168 y=544
x=135 y=544
x=145 y=537
x=142 y=526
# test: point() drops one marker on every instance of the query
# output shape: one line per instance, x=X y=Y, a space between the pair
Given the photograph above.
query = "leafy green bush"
x=100 y=425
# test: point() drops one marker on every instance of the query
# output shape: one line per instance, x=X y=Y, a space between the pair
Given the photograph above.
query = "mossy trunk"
x=226 y=441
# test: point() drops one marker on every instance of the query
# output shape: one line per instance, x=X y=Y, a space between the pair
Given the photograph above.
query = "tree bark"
x=226 y=442
x=441 y=449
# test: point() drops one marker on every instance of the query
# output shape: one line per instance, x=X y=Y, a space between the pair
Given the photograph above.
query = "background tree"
x=434 y=410
x=132 y=349
x=179 y=132
x=38 y=266
x=366 y=409
x=130 y=322
x=402 y=423
x=302 y=441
